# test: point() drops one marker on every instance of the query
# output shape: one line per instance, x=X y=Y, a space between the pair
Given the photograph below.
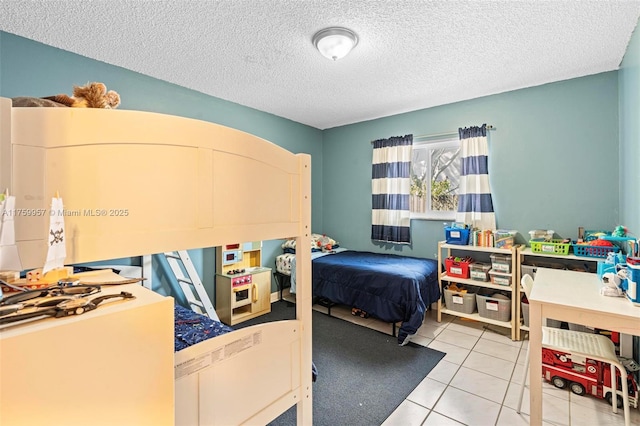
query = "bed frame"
x=137 y=183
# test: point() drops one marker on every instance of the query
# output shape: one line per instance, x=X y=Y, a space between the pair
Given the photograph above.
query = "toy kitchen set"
x=243 y=285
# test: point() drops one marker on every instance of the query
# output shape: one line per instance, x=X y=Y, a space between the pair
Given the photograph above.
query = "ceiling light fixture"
x=335 y=42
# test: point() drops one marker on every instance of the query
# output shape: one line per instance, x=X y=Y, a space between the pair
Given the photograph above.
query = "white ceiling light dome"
x=335 y=42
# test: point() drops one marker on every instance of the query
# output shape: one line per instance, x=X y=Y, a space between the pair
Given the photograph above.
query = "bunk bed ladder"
x=188 y=278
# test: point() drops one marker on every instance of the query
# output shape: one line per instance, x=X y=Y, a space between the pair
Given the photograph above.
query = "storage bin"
x=504 y=239
x=528 y=270
x=460 y=302
x=500 y=278
x=457 y=267
x=501 y=263
x=541 y=233
x=633 y=280
x=594 y=251
x=494 y=308
x=525 y=314
x=479 y=271
x=458 y=236
x=549 y=247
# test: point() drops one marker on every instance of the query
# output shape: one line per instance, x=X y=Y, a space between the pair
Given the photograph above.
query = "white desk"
x=573 y=297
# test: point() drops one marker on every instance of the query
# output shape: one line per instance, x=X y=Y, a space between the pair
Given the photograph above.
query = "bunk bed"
x=194 y=175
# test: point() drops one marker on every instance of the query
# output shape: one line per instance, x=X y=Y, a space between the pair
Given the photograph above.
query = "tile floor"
x=478 y=381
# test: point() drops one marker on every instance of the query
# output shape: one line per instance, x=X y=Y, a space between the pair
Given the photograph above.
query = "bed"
x=390 y=287
x=137 y=183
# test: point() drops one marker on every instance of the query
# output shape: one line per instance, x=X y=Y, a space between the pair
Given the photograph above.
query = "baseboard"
x=286 y=295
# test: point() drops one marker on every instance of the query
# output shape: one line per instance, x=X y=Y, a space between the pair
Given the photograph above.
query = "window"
x=435 y=179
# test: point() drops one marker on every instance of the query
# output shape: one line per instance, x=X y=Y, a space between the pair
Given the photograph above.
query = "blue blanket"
x=389 y=287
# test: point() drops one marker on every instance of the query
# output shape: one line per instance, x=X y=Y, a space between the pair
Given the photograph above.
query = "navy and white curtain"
x=475 y=204
x=390 y=184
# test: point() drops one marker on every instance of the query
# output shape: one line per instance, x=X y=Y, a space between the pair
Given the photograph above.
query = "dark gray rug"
x=363 y=375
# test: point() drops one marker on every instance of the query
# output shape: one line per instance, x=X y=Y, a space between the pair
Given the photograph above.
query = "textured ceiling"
x=410 y=55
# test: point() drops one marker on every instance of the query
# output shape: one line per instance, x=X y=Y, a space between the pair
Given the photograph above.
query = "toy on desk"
x=612 y=283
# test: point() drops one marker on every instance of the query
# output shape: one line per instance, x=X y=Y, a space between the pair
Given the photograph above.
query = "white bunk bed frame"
x=184 y=184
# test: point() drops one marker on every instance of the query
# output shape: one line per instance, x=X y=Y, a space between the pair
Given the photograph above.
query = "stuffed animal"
x=92 y=95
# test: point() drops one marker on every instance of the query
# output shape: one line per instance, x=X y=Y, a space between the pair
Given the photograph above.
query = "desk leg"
x=535 y=363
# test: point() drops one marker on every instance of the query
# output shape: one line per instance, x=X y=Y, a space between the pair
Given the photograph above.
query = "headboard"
x=136 y=183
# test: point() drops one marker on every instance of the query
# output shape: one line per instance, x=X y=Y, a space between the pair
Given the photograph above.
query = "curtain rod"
x=435 y=135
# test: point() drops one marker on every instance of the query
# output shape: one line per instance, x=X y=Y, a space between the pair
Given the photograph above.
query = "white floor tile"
x=480 y=384
x=430 y=329
x=490 y=365
x=454 y=354
x=407 y=414
x=509 y=417
x=427 y=392
x=464 y=325
x=554 y=410
x=421 y=340
x=436 y=419
x=588 y=403
x=501 y=335
x=444 y=371
x=453 y=337
x=497 y=349
x=581 y=415
x=467 y=408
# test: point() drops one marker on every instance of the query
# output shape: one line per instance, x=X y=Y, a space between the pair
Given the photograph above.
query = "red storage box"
x=457 y=267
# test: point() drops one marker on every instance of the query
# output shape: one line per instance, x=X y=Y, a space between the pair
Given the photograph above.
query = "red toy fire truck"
x=585 y=376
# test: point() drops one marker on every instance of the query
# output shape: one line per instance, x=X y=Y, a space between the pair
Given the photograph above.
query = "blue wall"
x=28 y=68
x=629 y=93
x=553 y=161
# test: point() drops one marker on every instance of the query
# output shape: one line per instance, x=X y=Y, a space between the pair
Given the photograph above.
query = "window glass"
x=435 y=179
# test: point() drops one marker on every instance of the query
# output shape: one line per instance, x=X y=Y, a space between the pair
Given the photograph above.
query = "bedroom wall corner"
x=629 y=106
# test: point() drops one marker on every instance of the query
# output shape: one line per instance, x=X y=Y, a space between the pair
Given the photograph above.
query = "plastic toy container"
x=504 y=239
x=633 y=279
x=494 y=308
x=500 y=278
x=594 y=251
x=457 y=268
x=541 y=233
x=501 y=263
x=460 y=302
x=458 y=236
x=549 y=247
x=479 y=271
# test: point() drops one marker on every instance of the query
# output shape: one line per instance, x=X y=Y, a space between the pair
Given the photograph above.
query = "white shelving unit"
x=514 y=288
x=525 y=252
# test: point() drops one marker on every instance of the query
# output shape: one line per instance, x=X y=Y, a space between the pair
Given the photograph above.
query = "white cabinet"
x=482 y=253
x=109 y=366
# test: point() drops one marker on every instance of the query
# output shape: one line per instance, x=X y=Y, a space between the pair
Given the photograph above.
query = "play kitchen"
x=243 y=285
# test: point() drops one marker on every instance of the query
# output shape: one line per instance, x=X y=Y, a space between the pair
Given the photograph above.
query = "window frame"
x=431 y=144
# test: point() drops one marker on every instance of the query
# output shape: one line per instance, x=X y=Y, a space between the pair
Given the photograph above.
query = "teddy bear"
x=92 y=95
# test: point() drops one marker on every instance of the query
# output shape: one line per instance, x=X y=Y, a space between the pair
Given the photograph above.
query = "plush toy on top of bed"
x=91 y=95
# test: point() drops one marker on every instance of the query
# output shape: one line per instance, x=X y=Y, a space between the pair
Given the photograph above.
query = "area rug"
x=363 y=375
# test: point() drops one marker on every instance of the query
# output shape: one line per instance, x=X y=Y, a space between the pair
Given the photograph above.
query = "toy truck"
x=585 y=376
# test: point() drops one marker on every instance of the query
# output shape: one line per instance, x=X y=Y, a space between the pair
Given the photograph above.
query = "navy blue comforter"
x=389 y=287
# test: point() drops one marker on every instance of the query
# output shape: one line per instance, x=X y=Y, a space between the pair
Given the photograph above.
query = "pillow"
x=318 y=242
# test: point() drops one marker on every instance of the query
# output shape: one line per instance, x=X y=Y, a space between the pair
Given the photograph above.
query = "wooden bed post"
x=304 y=293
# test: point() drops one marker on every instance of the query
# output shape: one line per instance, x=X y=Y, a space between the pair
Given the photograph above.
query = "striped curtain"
x=475 y=204
x=390 y=184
